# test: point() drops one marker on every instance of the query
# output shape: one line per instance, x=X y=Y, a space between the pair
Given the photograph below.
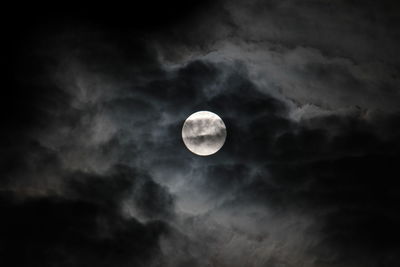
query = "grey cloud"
x=335 y=56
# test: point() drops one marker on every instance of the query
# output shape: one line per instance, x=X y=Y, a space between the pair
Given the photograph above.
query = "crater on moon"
x=204 y=133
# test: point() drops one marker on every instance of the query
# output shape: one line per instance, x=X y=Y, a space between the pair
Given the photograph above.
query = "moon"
x=204 y=133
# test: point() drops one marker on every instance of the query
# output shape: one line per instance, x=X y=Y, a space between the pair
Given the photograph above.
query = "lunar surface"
x=204 y=133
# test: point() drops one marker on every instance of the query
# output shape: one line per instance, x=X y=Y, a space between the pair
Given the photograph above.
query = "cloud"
x=94 y=171
x=334 y=56
x=56 y=231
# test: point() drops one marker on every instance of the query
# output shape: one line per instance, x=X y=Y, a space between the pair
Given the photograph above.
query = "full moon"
x=204 y=133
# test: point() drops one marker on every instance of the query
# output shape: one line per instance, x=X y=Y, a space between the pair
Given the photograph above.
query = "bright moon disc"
x=204 y=133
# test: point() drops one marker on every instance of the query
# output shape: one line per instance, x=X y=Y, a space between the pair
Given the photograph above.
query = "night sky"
x=93 y=169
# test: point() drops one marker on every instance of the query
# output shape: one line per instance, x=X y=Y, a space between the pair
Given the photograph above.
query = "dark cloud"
x=344 y=180
x=53 y=231
x=94 y=171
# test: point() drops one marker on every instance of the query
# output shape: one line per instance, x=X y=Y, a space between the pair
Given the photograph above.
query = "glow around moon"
x=204 y=133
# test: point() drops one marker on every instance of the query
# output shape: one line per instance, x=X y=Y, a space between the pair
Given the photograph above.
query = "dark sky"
x=93 y=170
